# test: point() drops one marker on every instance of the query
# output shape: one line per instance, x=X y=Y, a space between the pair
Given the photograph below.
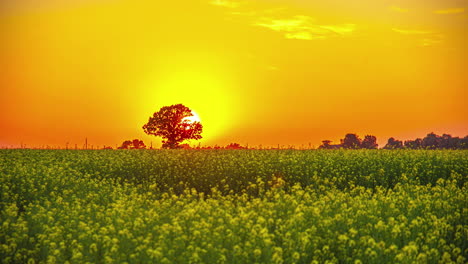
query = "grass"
x=233 y=206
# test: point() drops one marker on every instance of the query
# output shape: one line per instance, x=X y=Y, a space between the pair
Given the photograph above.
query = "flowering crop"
x=230 y=206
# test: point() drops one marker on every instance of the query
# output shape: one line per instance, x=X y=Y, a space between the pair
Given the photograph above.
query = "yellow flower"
x=343 y=238
x=93 y=248
x=296 y=255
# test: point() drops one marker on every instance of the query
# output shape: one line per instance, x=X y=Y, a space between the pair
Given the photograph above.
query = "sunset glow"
x=193 y=118
x=257 y=72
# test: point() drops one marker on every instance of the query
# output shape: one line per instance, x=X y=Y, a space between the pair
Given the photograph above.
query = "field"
x=233 y=206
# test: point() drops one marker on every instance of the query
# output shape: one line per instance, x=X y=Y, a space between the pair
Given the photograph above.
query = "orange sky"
x=266 y=72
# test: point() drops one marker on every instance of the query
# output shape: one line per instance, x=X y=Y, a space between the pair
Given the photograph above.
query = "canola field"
x=233 y=206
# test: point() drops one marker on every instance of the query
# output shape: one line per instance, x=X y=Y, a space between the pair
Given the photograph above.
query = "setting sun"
x=206 y=88
x=193 y=118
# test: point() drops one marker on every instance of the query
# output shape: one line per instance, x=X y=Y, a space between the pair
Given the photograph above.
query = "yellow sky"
x=269 y=72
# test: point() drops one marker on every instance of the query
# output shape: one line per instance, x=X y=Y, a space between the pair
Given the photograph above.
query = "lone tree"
x=172 y=123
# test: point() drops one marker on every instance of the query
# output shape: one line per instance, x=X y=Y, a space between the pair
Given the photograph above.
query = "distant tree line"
x=431 y=141
x=350 y=141
x=139 y=144
x=133 y=144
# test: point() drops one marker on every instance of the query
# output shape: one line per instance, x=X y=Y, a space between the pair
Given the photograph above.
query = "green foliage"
x=233 y=206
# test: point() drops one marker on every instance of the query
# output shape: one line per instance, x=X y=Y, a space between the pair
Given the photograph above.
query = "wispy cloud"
x=424 y=38
x=342 y=29
x=272 y=68
x=411 y=31
x=399 y=9
x=426 y=42
x=295 y=27
x=450 y=11
x=226 y=3
x=303 y=27
x=298 y=23
x=304 y=35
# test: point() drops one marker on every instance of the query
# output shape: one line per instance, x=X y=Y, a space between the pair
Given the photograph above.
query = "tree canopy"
x=351 y=141
x=171 y=123
x=133 y=144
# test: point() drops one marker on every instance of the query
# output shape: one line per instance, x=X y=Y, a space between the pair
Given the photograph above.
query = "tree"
x=133 y=144
x=126 y=144
x=392 y=143
x=463 y=143
x=431 y=141
x=171 y=123
x=351 y=141
x=138 y=144
x=325 y=144
x=369 y=142
x=413 y=144
x=235 y=146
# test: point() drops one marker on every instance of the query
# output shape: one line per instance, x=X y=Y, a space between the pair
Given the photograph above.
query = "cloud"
x=298 y=23
x=225 y=3
x=245 y=14
x=343 y=29
x=411 y=32
x=399 y=9
x=426 y=42
x=450 y=11
x=425 y=38
x=297 y=27
x=272 y=68
x=304 y=28
x=304 y=35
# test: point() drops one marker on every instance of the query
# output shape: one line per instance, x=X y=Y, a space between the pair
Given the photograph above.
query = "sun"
x=193 y=118
x=202 y=83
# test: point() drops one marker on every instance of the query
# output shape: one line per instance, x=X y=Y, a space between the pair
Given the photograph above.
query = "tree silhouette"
x=351 y=141
x=235 y=146
x=369 y=142
x=392 y=143
x=126 y=144
x=463 y=143
x=413 y=144
x=326 y=144
x=133 y=144
x=431 y=141
x=171 y=124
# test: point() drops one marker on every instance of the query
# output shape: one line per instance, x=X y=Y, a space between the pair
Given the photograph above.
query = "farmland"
x=233 y=206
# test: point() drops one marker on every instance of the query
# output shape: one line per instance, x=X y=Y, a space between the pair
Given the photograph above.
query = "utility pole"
x=86 y=143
